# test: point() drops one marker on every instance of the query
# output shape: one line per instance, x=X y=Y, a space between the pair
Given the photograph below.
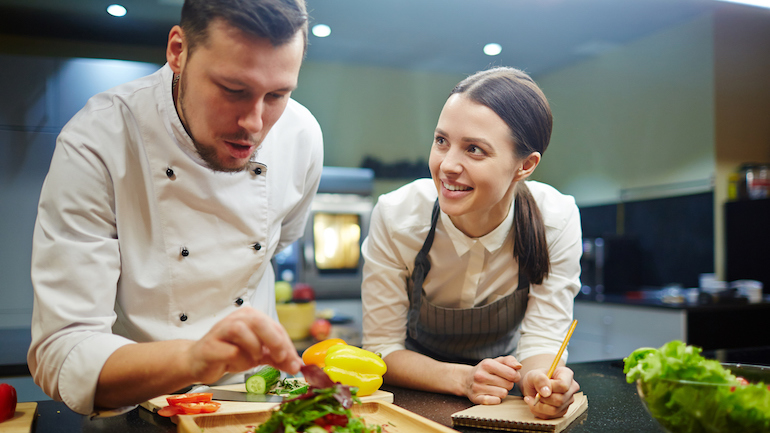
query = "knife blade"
x=226 y=395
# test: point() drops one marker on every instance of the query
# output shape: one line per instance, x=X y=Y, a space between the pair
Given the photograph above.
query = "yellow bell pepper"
x=316 y=353
x=352 y=366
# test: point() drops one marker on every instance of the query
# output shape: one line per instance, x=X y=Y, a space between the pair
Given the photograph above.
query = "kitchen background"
x=646 y=135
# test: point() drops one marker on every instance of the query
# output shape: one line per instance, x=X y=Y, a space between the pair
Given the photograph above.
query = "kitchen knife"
x=225 y=395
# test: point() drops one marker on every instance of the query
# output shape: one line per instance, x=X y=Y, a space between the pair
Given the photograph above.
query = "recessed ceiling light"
x=492 y=49
x=116 y=10
x=322 y=30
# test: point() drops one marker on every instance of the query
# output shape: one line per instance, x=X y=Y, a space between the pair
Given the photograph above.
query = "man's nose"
x=251 y=121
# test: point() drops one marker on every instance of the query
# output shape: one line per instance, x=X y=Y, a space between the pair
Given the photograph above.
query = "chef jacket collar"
x=174 y=123
x=491 y=241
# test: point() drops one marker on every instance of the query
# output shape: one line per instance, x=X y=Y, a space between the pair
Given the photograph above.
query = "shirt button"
x=239 y=302
x=169 y=172
x=185 y=252
x=258 y=170
x=183 y=317
x=257 y=246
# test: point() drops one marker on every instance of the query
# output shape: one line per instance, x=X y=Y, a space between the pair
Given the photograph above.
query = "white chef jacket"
x=136 y=240
x=466 y=272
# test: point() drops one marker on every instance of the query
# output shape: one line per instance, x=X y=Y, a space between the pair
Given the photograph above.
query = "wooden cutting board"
x=22 y=420
x=242 y=406
x=393 y=418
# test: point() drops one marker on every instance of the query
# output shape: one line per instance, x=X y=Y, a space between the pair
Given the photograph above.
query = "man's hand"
x=556 y=394
x=491 y=379
x=242 y=340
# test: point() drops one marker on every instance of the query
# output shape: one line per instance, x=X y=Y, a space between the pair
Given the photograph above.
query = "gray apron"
x=464 y=335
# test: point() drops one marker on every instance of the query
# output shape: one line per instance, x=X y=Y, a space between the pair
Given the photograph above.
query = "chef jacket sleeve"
x=383 y=290
x=308 y=160
x=75 y=271
x=550 y=306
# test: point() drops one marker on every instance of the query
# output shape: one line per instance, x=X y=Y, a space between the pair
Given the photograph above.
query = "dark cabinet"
x=747 y=241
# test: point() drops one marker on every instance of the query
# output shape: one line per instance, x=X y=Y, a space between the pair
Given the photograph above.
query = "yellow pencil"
x=558 y=355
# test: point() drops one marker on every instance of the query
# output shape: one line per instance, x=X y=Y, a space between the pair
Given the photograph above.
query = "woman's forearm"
x=413 y=370
x=538 y=361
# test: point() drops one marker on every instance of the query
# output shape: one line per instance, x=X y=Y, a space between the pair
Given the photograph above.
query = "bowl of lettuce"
x=687 y=393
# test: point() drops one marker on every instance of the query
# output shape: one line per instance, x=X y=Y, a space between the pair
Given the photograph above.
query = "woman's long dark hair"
x=515 y=97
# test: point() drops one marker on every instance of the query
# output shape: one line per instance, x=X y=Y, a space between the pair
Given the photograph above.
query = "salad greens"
x=325 y=407
x=688 y=393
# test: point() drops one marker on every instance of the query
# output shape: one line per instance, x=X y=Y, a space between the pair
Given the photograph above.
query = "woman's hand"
x=556 y=394
x=490 y=380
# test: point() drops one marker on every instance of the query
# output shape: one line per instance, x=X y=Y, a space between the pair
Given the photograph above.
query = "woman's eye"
x=439 y=140
x=475 y=150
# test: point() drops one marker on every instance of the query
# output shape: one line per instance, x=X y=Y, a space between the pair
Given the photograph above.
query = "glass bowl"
x=682 y=406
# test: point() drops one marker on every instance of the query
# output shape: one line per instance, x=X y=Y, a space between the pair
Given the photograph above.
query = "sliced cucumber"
x=300 y=390
x=263 y=381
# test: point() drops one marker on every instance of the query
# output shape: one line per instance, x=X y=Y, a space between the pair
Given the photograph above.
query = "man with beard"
x=165 y=201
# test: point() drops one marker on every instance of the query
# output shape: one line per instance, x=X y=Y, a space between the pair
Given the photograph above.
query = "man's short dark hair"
x=275 y=20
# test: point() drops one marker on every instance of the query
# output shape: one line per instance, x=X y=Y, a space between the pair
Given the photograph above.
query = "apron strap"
x=421 y=269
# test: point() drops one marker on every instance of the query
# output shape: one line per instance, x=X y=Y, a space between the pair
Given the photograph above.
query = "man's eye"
x=439 y=140
x=230 y=90
x=276 y=95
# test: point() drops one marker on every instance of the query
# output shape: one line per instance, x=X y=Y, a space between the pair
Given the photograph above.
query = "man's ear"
x=176 y=50
x=528 y=166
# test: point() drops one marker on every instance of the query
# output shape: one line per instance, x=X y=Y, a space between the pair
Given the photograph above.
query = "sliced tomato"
x=199 y=407
x=195 y=397
x=169 y=411
x=190 y=408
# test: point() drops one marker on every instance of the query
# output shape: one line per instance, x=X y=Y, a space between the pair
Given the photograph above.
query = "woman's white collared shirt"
x=466 y=272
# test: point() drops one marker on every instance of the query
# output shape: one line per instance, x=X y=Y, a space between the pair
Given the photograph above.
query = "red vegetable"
x=302 y=293
x=195 y=397
x=189 y=404
x=7 y=401
x=320 y=329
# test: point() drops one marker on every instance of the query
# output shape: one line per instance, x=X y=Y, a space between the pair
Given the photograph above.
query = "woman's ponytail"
x=530 y=248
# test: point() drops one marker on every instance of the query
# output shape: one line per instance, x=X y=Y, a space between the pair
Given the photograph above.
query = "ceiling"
x=429 y=35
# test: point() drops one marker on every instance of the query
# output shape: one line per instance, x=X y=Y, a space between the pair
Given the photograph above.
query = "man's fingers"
x=245 y=339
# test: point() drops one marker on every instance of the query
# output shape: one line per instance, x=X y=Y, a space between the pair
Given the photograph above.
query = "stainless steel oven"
x=328 y=256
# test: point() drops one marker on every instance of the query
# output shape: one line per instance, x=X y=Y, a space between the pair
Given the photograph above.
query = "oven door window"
x=337 y=242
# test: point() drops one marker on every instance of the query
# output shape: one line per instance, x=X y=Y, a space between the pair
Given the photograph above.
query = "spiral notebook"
x=513 y=414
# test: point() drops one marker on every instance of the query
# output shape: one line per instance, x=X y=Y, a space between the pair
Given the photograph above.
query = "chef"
x=165 y=201
x=467 y=269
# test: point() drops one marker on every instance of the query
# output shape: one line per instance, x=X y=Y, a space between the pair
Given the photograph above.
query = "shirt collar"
x=174 y=123
x=491 y=241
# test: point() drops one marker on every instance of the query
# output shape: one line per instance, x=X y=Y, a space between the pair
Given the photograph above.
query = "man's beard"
x=209 y=153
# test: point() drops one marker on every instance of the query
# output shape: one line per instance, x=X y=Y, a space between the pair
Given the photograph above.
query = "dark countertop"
x=727 y=304
x=710 y=326
x=613 y=406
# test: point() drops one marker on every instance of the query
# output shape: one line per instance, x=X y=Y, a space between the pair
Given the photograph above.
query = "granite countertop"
x=633 y=299
x=613 y=406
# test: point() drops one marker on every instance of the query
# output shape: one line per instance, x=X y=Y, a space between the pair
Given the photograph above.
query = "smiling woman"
x=477 y=264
